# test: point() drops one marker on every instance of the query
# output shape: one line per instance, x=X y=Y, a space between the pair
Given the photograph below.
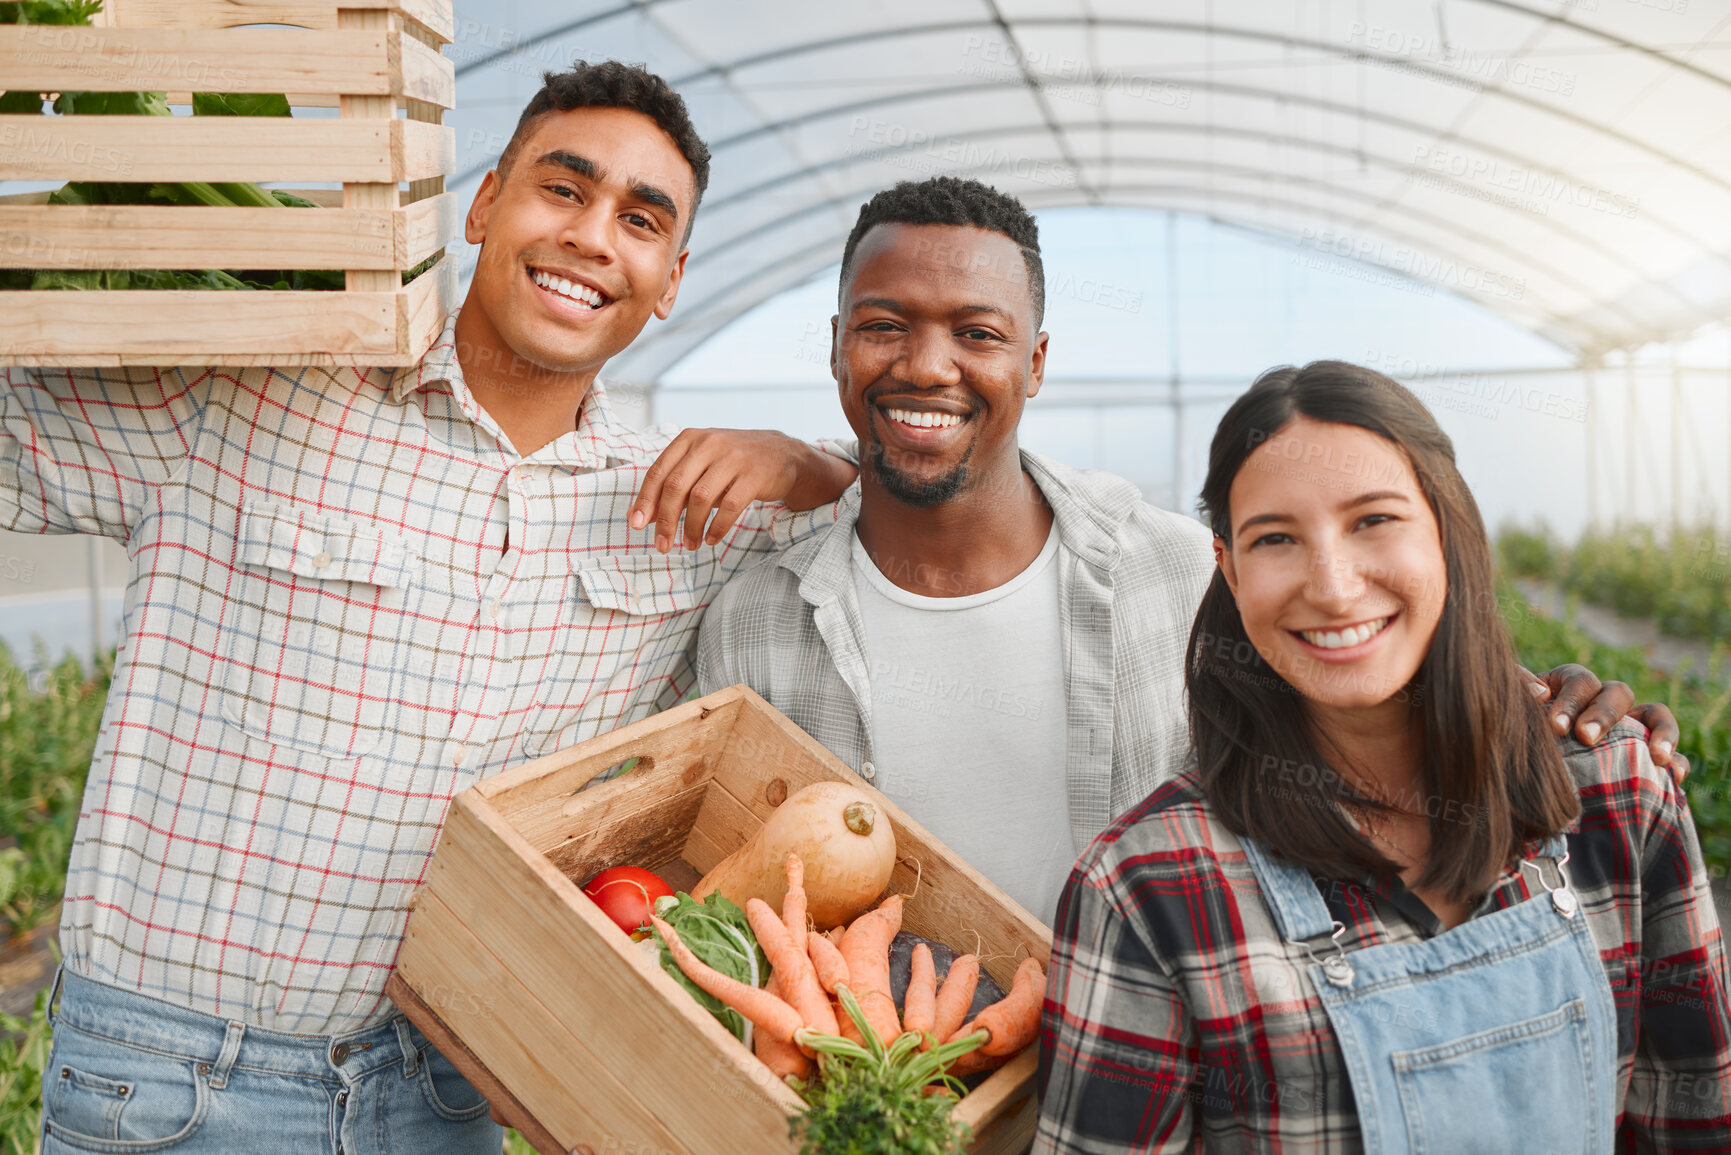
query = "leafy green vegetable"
x=21 y=103
x=112 y=104
x=136 y=279
x=50 y=12
x=717 y=932
x=239 y=104
x=217 y=194
x=871 y=1100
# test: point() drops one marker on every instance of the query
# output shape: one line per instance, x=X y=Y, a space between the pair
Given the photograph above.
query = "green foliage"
x=1700 y=700
x=50 y=12
x=239 y=104
x=870 y=1099
x=23 y=1054
x=47 y=737
x=215 y=194
x=1528 y=554
x=717 y=932
x=1681 y=580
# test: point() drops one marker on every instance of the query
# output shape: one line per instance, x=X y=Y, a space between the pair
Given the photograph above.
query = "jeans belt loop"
x=230 y=1052
x=411 y=1053
x=54 y=993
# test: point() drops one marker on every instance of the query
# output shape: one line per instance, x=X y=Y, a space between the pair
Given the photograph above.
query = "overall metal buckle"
x=1563 y=899
x=1335 y=968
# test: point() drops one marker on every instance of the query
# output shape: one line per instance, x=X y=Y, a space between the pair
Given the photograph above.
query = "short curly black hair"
x=950 y=200
x=613 y=84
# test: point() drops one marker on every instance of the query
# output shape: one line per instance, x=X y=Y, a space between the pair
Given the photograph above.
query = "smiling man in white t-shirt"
x=994 y=639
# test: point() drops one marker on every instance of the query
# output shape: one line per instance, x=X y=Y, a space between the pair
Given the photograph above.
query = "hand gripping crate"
x=366 y=58
x=572 y=1029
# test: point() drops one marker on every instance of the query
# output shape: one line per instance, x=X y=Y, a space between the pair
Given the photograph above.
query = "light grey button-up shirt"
x=1129 y=579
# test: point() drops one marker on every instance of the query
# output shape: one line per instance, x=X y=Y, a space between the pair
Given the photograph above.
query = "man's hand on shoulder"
x=719 y=472
x=1579 y=699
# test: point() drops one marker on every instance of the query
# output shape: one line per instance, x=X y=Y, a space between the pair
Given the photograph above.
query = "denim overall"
x=1499 y=1035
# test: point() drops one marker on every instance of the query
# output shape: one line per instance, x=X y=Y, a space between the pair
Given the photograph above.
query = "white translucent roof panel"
x=1565 y=163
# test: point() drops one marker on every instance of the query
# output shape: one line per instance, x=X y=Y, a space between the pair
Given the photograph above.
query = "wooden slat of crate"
x=222 y=148
x=526 y=787
x=55 y=59
x=434 y=15
x=177 y=237
x=561 y=949
x=559 y=1081
x=77 y=329
x=504 y=1104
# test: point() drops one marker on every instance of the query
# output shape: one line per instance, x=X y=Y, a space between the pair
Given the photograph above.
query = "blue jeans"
x=129 y=1073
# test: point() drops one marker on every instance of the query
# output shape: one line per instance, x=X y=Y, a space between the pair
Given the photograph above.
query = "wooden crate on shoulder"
x=572 y=1028
x=366 y=58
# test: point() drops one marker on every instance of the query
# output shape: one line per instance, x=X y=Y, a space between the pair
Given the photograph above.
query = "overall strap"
x=1291 y=894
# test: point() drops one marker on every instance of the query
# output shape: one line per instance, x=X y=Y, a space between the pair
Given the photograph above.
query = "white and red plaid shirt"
x=349 y=599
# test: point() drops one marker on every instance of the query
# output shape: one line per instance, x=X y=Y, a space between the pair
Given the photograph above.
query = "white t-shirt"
x=969 y=721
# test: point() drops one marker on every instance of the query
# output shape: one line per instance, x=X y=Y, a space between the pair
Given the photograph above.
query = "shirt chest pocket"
x=622 y=647
x=315 y=644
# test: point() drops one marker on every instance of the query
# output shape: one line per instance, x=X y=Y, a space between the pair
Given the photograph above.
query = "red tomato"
x=626 y=894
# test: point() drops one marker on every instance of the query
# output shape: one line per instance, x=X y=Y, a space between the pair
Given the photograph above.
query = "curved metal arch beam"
x=1253 y=92
x=711 y=250
x=1588 y=340
x=712 y=253
x=560 y=30
x=1299 y=209
x=1670 y=61
x=1145 y=24
x=1244 y=90
x=728 y=302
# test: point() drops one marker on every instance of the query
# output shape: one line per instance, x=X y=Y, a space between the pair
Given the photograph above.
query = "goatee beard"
x=914 y=492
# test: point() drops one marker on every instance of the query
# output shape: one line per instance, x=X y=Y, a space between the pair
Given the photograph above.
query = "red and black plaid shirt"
x=1178 y=1019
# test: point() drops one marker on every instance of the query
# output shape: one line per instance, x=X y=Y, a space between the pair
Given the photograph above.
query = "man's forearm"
x=822 y=478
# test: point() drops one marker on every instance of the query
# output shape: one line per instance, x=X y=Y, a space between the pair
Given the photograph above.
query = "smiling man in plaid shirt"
x=353 y=594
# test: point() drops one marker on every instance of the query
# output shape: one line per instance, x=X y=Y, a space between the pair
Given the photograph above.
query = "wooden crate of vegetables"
x=161 y=247
x=591 y=1040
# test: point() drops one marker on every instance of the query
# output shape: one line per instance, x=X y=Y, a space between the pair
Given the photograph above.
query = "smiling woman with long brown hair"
x=1381 y=910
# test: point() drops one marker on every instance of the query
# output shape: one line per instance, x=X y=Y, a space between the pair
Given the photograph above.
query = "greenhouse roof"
x=1565 y=164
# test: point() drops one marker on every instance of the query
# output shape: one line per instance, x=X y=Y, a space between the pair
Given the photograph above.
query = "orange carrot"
x=826 y=960
x=866 y=950
x=793 y=906
x=766 y=1012
x=919 y=1005
x=783 y=1058
x=789 y=960
x=1010 y=1023
x=954 y=998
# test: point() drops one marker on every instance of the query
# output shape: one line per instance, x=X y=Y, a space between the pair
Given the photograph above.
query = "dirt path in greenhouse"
x=1664 y=653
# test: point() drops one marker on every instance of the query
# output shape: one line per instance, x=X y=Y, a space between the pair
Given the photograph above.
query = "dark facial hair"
x=919 y=494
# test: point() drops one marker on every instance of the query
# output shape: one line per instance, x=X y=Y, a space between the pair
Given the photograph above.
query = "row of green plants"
x=49 y=715
x=1700 y=698
x=49 y=718
x=1679 y=578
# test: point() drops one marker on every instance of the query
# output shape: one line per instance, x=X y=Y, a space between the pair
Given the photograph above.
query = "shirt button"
x=494 y=608
x=867 y=771
x=321 y=560
x=340 y=1054
x=457 y=755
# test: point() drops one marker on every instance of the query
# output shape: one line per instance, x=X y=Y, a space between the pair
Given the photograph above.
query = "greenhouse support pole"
x=1632 y=424
x=1173 y=361
x=1592 y=431
x=93 y=570
x=1676 y=442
